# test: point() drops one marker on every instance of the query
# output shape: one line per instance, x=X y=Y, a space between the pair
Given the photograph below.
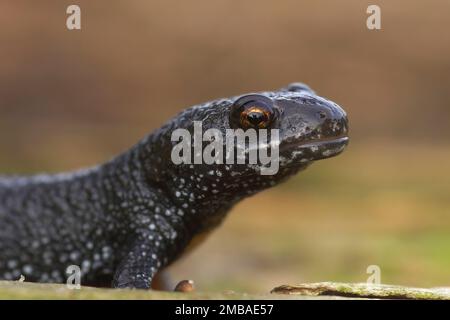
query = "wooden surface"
x=323 y=290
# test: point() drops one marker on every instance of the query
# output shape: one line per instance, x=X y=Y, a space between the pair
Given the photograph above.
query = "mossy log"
x=363 y=290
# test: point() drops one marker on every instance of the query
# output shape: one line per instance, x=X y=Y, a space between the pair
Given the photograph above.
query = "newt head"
x=292 y=126
x=300 y=128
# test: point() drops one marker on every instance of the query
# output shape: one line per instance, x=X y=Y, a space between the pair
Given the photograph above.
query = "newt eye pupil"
x=255 y=117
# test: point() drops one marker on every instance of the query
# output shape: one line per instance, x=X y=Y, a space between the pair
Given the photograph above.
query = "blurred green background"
x=71 y=99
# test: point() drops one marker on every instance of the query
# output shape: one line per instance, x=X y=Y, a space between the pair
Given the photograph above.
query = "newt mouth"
x=326 y=148
x=325 y=142
x=316 y=149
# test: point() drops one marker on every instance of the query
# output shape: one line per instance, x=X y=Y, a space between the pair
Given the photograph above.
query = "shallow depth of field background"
x=71 y=99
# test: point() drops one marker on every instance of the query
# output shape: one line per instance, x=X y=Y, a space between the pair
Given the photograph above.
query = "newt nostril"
x=322 y=114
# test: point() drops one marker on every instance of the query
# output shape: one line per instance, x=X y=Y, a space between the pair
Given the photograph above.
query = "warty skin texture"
x=125 y=220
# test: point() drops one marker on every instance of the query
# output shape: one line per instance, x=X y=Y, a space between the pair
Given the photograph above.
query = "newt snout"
x=312 y=128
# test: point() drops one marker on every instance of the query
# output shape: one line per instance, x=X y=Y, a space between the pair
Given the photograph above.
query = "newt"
x=125 y=220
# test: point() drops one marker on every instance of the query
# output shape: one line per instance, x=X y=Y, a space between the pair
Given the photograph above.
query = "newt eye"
x=255 y=116
x=252 y=111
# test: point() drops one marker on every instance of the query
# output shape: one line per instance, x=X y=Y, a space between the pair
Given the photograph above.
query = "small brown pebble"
x=185 y=286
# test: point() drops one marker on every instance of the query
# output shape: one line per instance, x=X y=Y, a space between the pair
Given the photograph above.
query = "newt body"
x=125 y=220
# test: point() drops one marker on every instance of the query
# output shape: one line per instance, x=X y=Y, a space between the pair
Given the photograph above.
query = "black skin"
x=125 y=220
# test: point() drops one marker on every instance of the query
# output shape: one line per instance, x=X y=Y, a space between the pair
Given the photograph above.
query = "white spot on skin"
x=297 y=153
x=145 y=220
x=85 y=265
x=27 y=269
x=106 y=252
x=327 y=153
x=74 y=255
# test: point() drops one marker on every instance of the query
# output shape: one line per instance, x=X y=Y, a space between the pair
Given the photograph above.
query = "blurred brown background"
x=75 y=98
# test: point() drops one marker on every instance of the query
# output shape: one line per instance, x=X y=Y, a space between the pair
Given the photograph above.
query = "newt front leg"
x=138 y=267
